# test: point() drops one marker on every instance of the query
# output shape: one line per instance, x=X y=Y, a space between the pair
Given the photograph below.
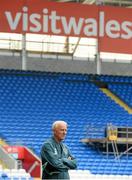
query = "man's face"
x=60 y=132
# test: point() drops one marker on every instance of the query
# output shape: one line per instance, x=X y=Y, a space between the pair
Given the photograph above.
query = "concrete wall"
x=13 y=61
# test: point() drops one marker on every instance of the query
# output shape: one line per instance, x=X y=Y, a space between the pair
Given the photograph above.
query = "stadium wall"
x=65 y=65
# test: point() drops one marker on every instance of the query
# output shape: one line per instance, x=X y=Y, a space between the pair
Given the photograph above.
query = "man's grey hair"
x=56 y=123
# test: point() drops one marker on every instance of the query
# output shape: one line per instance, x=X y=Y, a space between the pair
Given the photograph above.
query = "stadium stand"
x=30 y=102
x=121 y=86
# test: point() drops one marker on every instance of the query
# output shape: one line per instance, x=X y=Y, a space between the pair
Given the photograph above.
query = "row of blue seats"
x=14 y=71
x=112 y=78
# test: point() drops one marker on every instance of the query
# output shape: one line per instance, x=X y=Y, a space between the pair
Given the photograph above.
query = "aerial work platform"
x=116 y=141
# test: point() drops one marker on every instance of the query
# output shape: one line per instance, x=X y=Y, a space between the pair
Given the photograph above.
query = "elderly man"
x=56 y=157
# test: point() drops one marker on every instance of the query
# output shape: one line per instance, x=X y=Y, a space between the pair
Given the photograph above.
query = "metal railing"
x=48 y=47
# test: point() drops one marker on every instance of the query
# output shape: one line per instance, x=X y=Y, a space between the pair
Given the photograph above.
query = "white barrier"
x=86 y=175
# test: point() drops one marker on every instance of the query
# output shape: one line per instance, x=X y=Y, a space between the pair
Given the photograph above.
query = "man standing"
x=56 y=157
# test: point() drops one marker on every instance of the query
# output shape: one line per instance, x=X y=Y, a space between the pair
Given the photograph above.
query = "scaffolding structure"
x=116 y=140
